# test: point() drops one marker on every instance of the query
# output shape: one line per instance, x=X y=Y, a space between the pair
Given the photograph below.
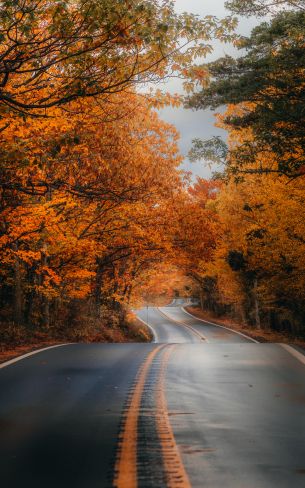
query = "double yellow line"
x=179 y=322
x=126 y=463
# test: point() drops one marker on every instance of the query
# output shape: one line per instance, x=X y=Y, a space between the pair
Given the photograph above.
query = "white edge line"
x=298 y=355
x=155 y=338
x=222 y=326
x=12 y=361
x=184 y=325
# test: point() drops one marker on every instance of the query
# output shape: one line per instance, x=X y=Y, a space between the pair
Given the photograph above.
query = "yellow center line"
x=126 y=465
x=202 y=337
x=176 y=475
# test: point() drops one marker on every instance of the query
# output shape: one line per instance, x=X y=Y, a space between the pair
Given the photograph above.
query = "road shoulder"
x=258 y=335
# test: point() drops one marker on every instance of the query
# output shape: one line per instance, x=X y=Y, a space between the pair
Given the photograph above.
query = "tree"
x=255 y=268
x=263 y=7
x=55 y=52
x=267 y=84
x=261 y=249
x=92 y=204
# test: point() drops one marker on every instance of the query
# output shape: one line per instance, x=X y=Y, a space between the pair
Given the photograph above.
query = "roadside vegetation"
x=257 y=273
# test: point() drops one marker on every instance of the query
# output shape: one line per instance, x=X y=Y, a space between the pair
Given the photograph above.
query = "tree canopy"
x=268 y=85
x=55 y=52
x=263 y=7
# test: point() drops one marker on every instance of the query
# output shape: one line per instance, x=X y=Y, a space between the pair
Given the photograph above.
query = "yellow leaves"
x=50 y=276
x=28 y=256
x=4 y=240
x=195 y=76
x=79 y=274
x=79 y=293
x=160 y=100
x=263 y=218
x=126 y=159
x=77 y=283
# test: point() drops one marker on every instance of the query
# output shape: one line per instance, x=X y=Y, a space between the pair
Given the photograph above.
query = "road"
x=174 y=325
x=200 y=407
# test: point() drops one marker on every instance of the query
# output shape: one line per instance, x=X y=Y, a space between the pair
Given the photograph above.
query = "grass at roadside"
x=261 y=335
x=17 y=340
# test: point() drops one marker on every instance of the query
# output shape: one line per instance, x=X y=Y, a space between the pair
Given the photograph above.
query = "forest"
x=97 y=216
x=257 y=268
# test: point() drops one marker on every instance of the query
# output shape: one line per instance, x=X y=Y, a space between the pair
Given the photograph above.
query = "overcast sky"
x=200 y=123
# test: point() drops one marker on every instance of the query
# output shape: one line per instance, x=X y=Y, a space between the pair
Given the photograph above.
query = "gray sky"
x=200 y=123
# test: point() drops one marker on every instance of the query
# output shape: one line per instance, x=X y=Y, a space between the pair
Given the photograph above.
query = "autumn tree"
x=89 y=48
x=259 y=259
x=55 y=53
x=159 y=284
x=255 y=269
x=86 y=236
x=254 y=272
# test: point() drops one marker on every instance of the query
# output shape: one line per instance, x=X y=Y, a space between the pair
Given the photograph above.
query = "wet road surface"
x=174 y=324
x=201 y=407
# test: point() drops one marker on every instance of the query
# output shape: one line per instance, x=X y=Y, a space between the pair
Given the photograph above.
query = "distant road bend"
x=201 y=406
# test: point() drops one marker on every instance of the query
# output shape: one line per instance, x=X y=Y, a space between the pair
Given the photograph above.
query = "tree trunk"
x=98 y=287
x=30 y=295
x=46 y=313
x=201 y=301
x=243 y=315
x=45 y=299
x=17 y=308
x=256 y=306
x=128 y=293
x=44 y=257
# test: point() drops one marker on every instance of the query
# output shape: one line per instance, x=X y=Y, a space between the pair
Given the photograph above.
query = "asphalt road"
x=201 y=407
x=173 y=325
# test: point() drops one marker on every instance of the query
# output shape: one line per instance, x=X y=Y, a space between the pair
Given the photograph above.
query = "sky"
x=200 y=124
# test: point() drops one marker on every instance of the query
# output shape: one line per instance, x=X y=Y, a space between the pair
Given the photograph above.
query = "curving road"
x=174 y=325
x=200 y=407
